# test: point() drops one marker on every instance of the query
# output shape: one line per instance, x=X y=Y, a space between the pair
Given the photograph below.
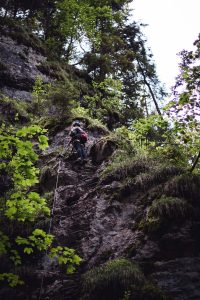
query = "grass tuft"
x=170 y=208
x=184 y=186
x=155 y=175
x=123 y=166
x=111 y=280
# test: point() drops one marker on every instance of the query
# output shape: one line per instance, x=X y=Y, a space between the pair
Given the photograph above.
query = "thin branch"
x=195 y=163
x=149 y=87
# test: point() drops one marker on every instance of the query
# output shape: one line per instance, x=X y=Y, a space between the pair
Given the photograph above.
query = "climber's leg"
x=78 y=147
x=83 y=152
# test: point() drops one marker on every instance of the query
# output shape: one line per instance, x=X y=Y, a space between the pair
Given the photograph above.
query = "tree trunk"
x=150 y=89
x=6 y=8
x=195 y=163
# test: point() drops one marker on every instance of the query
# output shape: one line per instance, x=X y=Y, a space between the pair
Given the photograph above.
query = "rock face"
x=18 y=68
x=101 y=150
x=100 y=228
x=99 y=217
x=23 y=58
x=179 y=276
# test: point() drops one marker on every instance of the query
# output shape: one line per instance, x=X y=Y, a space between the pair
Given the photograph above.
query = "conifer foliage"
x=97 y=37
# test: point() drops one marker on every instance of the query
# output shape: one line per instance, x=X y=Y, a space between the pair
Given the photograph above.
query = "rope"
x=50 y=223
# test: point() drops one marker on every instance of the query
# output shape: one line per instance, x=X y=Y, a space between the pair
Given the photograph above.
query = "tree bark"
x=6 y=8
x=195 y=163
x=150 y=89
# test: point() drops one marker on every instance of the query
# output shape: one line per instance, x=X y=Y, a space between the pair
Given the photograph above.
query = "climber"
x=78 y=140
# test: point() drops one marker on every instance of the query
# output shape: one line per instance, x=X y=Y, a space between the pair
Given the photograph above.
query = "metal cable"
x=50 y=223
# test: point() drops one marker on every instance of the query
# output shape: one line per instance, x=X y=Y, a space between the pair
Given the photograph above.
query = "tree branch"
x=149 y=87
x=195 y=163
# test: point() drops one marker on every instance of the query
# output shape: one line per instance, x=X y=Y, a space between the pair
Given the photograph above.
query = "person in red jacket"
x=78 y=140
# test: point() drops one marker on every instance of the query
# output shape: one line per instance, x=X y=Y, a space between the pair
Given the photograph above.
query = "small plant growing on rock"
x=40 y=94
x=119 y=279
x=169 y=207
x=67 y=257
x=166 y=210
x=111 y=280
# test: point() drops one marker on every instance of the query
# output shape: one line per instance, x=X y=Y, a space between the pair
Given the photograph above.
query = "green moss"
x=137 y=175
x=53 y=123
x=97 y=125
x=93 y=125
x=123 y=165
x=119 y=279
x=163 y=212
x=149 y=225
x=157 y=174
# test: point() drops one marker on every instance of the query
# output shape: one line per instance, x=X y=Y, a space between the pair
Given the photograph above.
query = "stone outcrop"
x=103 y=221
x=18 y=68
x=88 y=218
x=23 y=58
x=103 y=218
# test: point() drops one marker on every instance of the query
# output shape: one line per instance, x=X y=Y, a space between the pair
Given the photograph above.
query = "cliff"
x=133 y=221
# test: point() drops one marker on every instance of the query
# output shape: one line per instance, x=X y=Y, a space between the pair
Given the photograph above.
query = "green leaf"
x=28 y=250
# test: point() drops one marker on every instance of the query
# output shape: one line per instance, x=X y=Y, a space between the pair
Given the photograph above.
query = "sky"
x=173 y=25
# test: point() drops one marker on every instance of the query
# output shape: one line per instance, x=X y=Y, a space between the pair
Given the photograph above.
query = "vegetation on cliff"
x=103 y=74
